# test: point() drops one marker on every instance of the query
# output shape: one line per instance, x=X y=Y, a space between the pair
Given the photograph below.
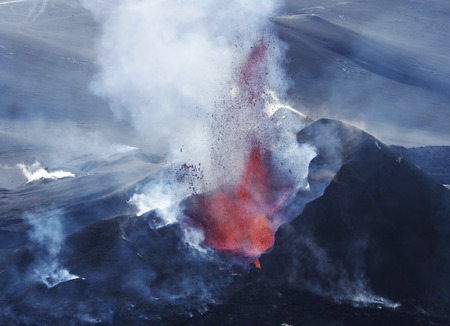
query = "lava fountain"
x=236 y=217
x=200 y=85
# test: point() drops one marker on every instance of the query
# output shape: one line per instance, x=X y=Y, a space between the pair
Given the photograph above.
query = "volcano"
x=371 y=237
x=380 y=216
x=155 y=168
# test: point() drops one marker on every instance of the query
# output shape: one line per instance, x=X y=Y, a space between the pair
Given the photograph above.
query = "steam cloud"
x=165 y=64
x=331 y=279
x=35 y=171
x=201 y=81
x=46 y=241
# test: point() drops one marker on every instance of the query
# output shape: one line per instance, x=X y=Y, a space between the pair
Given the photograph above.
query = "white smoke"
x=36 y=171
x=182 y=73
x=332 y=280
x=160 y=194
x=165 y=64
x=46 y=236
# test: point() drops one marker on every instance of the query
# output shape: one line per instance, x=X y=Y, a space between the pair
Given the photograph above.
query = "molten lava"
x=238 y=219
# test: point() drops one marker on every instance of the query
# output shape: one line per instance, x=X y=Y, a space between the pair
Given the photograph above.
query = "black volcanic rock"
x=381 y=227
x=126 y=273
x=377 y=230
x=125 y=257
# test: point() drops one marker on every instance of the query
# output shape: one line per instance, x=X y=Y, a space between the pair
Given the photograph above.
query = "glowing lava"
x=237 y=219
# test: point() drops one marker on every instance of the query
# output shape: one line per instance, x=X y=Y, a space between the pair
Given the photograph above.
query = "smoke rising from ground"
x=331 y=279
x=35 y=172
x=46 y=235
x=203 y=82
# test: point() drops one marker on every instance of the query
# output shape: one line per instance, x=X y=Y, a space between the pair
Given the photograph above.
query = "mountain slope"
x=382 y=225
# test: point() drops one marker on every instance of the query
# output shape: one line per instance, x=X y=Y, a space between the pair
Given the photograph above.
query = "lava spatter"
x=236 y=216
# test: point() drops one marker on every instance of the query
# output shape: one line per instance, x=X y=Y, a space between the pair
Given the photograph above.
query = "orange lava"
x=237 y=219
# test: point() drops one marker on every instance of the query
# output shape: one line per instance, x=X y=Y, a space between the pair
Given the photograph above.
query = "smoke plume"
x=203 y=82
x=167 y=64
x=47 y=239
x=35 y=171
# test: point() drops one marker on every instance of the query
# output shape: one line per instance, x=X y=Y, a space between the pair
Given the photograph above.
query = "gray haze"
x=382 y=66
x=394 y=83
